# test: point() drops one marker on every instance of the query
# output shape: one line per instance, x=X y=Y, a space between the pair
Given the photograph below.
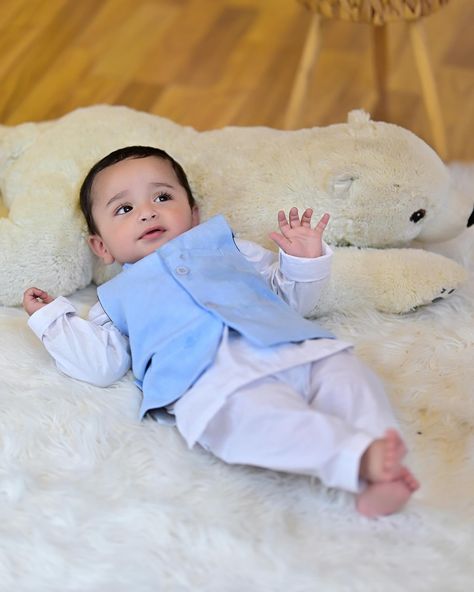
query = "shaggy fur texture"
x=94 y=501
x=376 y=179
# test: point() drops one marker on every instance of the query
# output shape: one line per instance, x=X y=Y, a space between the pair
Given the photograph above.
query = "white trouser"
x=314 y=419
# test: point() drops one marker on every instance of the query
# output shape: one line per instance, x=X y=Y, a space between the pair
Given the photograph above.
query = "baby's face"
x=138 y=205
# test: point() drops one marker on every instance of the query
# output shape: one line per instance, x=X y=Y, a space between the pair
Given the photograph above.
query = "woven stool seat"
x=376 y=13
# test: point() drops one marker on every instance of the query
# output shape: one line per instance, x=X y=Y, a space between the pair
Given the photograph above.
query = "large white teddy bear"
x=383 y=186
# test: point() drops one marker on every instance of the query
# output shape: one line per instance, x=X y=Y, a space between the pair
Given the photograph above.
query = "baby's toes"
x=409 y=479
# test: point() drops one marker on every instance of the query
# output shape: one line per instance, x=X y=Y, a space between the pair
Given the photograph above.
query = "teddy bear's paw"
x=414 y=278
x=435 y=277
x=445 y=292
x=389 y=280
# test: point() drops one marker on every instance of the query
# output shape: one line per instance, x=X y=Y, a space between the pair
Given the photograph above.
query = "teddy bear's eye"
x=418 y=215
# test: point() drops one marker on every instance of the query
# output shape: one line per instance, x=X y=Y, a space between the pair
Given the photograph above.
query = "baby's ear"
x=98 y=247
x=196 y=216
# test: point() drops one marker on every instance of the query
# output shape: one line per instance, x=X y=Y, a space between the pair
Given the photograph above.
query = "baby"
x=213 y=327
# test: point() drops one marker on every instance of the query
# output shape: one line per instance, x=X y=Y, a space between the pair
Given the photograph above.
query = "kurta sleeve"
x=91 y=350
x=297 y=280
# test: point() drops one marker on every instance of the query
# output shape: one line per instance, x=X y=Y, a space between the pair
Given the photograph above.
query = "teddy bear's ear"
x=360 y=124
x=358 y=118
x=340 y=185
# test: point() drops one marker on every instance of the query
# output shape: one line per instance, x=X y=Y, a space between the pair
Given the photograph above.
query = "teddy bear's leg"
x=391 y=280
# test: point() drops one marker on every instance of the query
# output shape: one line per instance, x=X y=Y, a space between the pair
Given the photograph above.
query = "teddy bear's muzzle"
x=470 y=222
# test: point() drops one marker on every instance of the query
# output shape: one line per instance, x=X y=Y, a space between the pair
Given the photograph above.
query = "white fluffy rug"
x=93 y=500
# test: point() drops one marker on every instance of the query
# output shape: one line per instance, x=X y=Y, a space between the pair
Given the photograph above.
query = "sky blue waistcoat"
x=174 y=303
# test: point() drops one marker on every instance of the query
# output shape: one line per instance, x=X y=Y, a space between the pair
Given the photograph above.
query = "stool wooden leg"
x=380 y=70
x=428 y=85
x=303 y=73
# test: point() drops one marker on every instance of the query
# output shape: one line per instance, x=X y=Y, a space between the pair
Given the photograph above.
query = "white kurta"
x=95 y=351
x=298 y=281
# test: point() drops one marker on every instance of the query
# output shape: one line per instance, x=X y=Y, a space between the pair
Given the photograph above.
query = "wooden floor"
x=210 y=63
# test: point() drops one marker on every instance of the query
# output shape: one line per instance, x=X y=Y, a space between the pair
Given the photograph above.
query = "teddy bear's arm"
x=391 y=280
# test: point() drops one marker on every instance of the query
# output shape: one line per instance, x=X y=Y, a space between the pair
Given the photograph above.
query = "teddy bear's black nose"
x=470 y=222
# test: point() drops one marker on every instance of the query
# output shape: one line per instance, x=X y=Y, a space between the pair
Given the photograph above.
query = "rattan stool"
x=377 y=13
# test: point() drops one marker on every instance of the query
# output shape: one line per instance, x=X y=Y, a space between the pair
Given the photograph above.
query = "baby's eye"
x=163 y=197
x=123 y=210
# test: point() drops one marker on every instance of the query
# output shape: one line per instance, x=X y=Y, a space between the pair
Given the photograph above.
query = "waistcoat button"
x=182 y=270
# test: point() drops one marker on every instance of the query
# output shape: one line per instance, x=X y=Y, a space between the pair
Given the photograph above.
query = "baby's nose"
x=149 y=215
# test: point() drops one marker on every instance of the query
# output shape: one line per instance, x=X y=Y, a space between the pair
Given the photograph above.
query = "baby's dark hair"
x=85 y=194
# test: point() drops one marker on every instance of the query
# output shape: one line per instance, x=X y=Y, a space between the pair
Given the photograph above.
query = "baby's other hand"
x=297 y=238
x=34 y=299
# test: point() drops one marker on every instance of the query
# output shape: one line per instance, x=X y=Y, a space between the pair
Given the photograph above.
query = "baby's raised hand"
x=297 y=238
x=34 y=299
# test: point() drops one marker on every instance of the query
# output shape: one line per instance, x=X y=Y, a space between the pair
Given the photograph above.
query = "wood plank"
x=209 y=63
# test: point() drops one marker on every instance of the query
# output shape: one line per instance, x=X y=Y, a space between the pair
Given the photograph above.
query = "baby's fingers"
x=283 y=222
x=293 y=220
x=280 y=240
x=36 y=293
x=321 y=225
x=306 y=217
x=294 y=217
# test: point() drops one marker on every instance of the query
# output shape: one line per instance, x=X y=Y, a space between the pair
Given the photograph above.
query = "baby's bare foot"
x=382 y=498
x=381 y=462
x=410 y=480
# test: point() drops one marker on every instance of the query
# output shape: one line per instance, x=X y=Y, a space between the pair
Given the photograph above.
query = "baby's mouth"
x=152 y=233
